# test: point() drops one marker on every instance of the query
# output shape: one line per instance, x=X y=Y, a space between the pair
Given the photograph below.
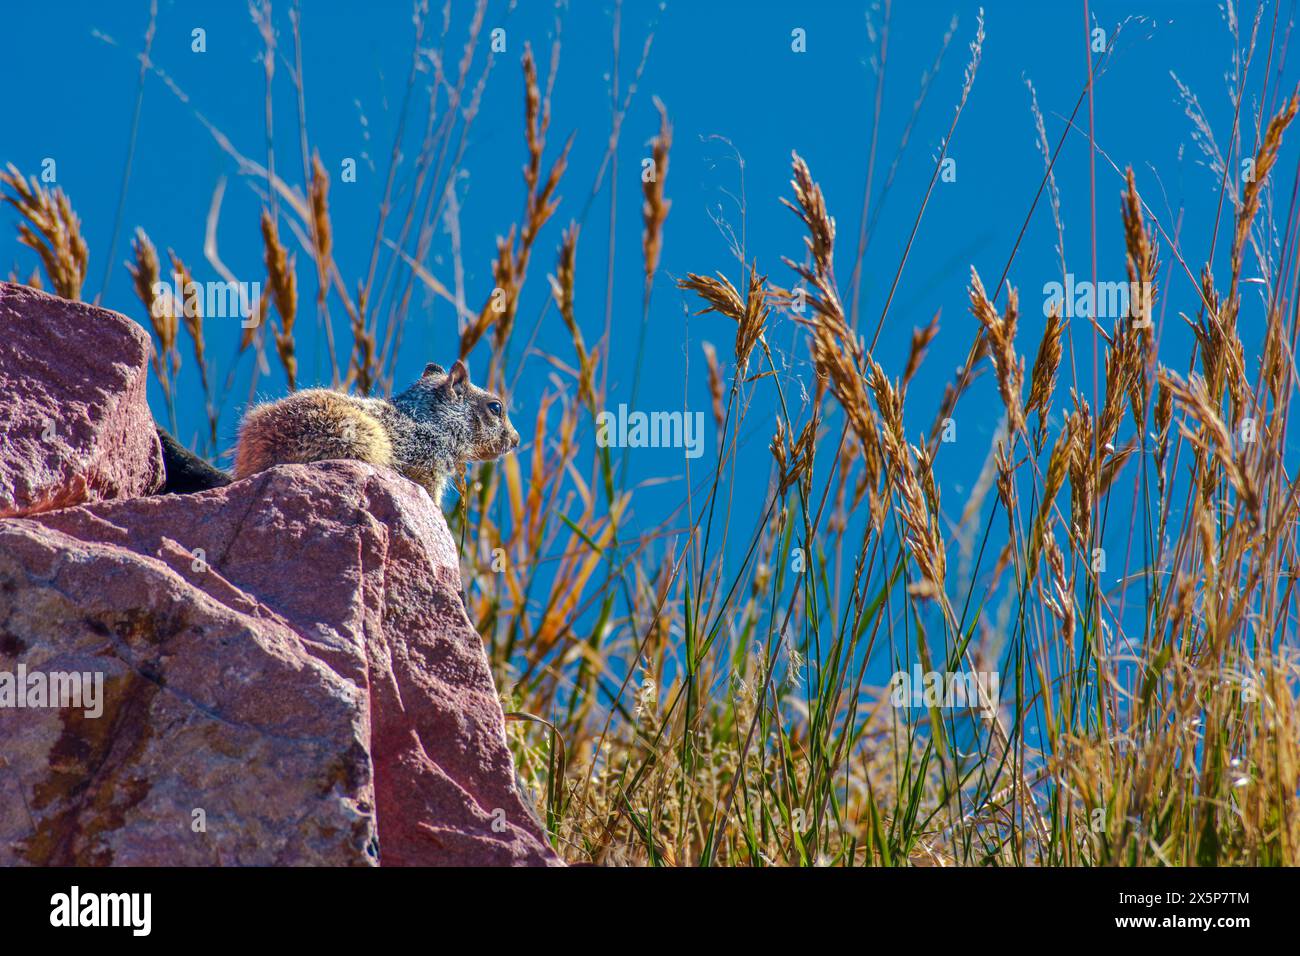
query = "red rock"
x=74 y=422
x=288 y=653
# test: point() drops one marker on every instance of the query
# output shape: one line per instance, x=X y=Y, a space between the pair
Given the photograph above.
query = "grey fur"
x=441 y=422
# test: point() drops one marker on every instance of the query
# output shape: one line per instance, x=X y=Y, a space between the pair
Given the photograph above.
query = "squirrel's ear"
x=456 y=380
x=433 y=368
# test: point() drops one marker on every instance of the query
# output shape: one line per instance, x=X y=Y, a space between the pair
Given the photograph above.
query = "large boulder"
x=289 y=677
x=74 y=422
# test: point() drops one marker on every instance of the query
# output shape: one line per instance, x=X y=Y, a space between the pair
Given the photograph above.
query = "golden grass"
x=283 y=282
x=52 y=229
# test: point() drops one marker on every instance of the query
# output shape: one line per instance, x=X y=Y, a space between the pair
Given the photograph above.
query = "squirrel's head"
x=449 y=401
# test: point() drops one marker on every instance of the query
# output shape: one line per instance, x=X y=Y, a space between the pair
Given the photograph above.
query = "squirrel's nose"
x=514 y=439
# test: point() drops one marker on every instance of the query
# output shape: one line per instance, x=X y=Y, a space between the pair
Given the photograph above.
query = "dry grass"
x=163 y=314
x=52 y=229
x=282 y=279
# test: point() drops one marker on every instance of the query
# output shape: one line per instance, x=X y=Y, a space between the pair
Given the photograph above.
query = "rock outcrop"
x=285 y=671
x=74 y=421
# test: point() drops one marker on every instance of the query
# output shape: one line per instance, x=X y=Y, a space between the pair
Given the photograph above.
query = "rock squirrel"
x=426 y=433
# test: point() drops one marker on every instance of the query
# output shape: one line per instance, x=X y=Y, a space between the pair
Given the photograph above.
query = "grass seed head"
x=52 y=230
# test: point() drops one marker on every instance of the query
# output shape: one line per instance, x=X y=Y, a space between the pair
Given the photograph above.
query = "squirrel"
x=426 y=433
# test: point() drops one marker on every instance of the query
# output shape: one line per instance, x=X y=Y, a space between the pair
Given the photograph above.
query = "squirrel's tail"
x=186 y=472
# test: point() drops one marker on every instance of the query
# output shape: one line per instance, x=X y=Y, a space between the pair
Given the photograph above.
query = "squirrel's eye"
x=495 y=408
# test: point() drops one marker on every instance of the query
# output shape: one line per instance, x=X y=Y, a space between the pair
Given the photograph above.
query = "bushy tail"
x=186 y=471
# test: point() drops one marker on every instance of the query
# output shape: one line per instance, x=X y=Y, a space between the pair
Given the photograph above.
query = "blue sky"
x=723 y=69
